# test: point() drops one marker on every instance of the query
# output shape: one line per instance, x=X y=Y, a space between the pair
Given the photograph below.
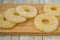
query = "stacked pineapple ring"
x=12 y=16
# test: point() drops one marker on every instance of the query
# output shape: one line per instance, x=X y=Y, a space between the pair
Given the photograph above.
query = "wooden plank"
x=10 y=1
x=47 y=1
x=31 y=37
x=20 y=1
x=25 y=37
x=15 y=1
x=5 y=1
x=57 y=1
x=42 y=1
x=55 y=37
x=35 y=1
x=53 y=1
x=26 y=2
x=46 y=38
x=6 y=38
x=1 y=37
x=26 y=27
x=15 y=37
x=0 y=1
x=38 y=38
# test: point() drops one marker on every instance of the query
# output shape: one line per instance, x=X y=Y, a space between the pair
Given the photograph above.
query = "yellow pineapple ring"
x=13 y=16
x=4 y=23
x=52 y=9
x=46 y=22
x=27 y=11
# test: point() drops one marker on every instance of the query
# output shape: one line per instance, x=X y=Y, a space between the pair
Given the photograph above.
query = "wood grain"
x=26 y=27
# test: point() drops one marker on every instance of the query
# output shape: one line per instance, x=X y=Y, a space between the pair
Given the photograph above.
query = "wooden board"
x=26 y=27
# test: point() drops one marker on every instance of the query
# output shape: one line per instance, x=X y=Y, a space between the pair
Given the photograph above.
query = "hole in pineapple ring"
x=16 y=14
x=26 y=9
x=53 y=8
x=45 y=21
x=4 y=19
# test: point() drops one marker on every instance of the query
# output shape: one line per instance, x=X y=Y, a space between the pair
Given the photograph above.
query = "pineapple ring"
x=27 y=11
x=13 y=16
x=53 y=9
x=46 y=22
x=4 y=23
